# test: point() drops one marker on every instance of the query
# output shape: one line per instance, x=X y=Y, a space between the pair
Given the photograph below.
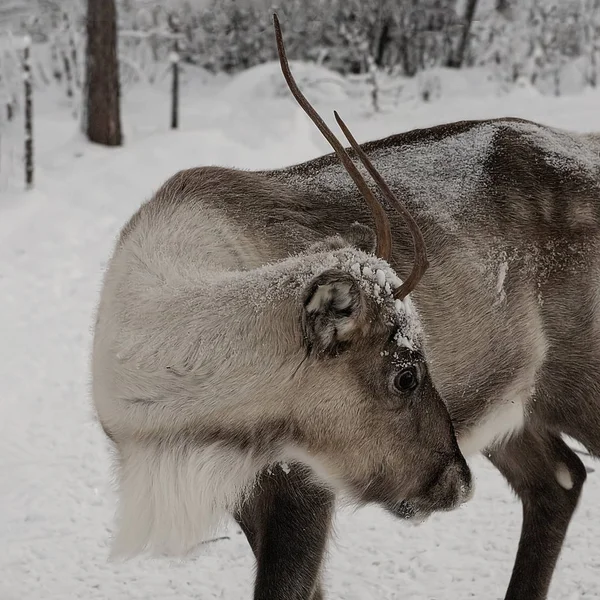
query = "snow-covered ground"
x=56 y=500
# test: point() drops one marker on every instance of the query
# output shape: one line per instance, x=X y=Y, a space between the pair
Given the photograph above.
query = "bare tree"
x=103 y=119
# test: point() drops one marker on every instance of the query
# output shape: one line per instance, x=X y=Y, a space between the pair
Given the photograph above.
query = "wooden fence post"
x=174 y=56
x=28 y=112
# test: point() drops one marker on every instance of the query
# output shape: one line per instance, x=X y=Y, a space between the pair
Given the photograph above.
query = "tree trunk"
x=456 y=60
x=103 y=117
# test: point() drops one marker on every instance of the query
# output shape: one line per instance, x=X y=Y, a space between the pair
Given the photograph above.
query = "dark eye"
x=407 y=380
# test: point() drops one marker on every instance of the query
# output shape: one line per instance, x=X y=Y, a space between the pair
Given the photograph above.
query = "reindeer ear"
x=334 y=312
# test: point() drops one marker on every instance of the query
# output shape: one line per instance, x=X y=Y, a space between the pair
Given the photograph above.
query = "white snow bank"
x=265 y=82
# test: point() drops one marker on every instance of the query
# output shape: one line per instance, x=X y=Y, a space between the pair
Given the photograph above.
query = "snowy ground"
x=56 y=502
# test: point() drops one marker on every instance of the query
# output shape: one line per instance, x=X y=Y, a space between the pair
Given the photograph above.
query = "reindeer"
x=509 y=309
x=219 y=355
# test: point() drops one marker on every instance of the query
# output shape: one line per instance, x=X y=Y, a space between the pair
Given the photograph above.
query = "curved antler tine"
x=421 y=262
x=382 y=225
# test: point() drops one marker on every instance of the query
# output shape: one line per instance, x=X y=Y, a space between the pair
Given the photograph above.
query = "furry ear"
x=334 y=311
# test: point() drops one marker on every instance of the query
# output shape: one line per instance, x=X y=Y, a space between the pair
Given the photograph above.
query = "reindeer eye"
x=406 y=380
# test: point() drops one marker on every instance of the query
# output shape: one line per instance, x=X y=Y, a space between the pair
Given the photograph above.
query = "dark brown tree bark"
x=103 y=112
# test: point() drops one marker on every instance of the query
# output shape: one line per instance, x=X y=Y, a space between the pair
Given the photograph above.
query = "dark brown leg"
x=547 y=476
x=287 y=521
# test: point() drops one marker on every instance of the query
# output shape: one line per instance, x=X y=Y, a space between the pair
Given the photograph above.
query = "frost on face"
x=402 y=340
x=380 y=281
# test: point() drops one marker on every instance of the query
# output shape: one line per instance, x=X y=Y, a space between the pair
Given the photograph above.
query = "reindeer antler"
x=421 y=262
x=382 y=225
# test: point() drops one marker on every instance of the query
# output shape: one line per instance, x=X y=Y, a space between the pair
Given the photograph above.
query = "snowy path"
x=56 y=502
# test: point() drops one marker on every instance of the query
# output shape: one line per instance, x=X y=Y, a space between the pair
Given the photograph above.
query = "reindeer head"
x=361 y=408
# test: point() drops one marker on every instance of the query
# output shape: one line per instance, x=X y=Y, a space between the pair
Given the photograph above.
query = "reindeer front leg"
x=547 y=476
x=287 y=521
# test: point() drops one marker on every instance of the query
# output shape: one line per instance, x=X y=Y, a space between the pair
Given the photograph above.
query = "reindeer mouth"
x=417 y=511
x=404 y=510
x=450 y=490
